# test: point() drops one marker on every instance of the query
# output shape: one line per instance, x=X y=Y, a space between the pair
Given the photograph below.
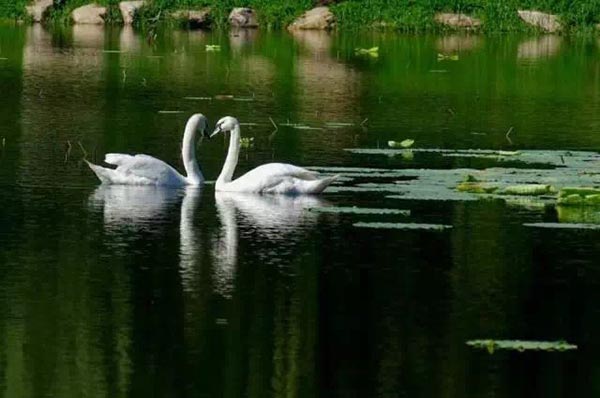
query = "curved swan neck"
x=188 y=152
x=232 y=156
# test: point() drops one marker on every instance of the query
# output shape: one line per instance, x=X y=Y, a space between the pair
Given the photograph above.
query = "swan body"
x=148 y=170
x=279 y=178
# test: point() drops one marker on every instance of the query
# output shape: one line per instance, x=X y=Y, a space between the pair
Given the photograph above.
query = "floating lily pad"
x=402 y=226
x=557 y=225
x=358 y=210
x=587 y=196
x=578 y=214
x=528 y=189
x=521 y=345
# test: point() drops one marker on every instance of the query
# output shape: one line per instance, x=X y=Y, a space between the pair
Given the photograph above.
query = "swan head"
x=201 y=123
x=226 y=123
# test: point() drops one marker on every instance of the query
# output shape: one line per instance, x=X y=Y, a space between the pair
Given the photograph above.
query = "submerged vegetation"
x=417 y=15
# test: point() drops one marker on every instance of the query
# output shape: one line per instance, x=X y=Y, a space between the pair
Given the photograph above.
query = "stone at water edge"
x=90 y=14
x=319 y=18
x=243 y=17
x=195 y=18
x=128 y=10
x=457 y=20
x=547 y=22
x=38 y=9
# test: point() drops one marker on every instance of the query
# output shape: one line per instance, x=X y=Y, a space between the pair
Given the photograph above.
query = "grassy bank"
x=415 y=15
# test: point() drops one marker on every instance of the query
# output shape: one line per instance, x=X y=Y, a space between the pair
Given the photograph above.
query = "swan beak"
x=217 y=131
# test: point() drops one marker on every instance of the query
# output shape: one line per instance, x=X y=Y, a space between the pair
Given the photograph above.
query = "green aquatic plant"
x=582 y=196
x=578 y=214
x=212 y=48
x=402 y=226
x=247 y=142
x=447 y=57
x=528 y=190
x=407 y=143
x=358 y=210
x=520 y=345
x=371 y=52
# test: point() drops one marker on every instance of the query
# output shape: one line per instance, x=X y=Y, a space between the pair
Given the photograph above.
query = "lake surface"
x=142 y=292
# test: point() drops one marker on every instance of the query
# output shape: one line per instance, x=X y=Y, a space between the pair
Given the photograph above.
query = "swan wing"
x=140 y=170
x=280 y=178
x=274 y=171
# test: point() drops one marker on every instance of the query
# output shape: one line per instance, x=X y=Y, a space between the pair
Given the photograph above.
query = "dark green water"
x=141 y=292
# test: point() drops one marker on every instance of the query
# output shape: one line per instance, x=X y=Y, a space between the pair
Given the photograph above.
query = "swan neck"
x=188 y=153
x=232 y=156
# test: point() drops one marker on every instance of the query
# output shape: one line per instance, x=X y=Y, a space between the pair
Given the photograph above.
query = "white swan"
x=269 y=178
x=147 y=170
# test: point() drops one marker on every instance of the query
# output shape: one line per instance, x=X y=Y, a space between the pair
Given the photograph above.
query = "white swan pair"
x=268 y=178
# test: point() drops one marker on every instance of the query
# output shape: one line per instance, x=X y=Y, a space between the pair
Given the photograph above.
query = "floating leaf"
x=358 y=210
x=402 y=226
x=520 y=345
x=407 y=143
x=213 y=47
x=372 y=52
x=447 y=57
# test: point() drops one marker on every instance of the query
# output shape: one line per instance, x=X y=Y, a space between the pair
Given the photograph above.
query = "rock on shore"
x=128 y=10
x=90 y=14
x=547 y=22
x=243 y=17
x=38 y=9
x=198 y=19
x=457 y=20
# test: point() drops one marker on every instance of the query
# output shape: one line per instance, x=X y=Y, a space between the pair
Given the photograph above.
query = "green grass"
x=405 y=15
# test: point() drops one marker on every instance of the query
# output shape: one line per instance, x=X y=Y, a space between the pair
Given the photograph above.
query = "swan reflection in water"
x=276 y=219
x=147 y=209
x=134 y=207
x=265 y=219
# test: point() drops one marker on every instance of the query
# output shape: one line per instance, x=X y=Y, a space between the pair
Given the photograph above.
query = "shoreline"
x=349 y=15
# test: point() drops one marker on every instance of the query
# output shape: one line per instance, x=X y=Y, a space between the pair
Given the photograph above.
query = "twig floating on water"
x=364 y=121
x=68 y=152
x=273 y=123
x=508 y=135
x=82 y=150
